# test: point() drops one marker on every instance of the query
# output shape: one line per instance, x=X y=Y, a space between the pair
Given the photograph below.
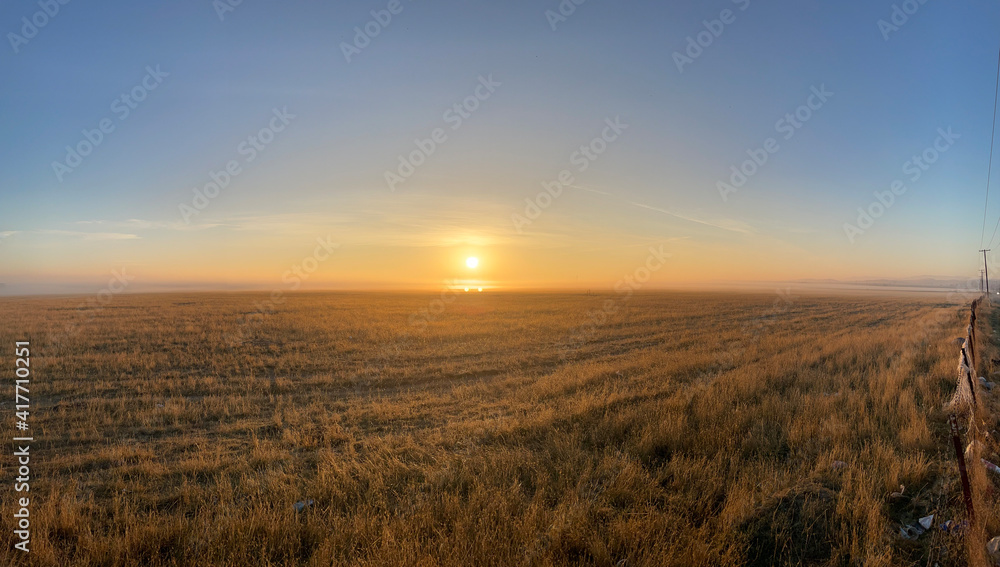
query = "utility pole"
x=980 y=280
x=987 y=267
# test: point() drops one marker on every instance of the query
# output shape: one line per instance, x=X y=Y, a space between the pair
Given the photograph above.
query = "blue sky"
x=323 y=175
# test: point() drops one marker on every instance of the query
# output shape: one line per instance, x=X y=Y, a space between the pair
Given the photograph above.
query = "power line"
x=989 y=171
x=987 y=266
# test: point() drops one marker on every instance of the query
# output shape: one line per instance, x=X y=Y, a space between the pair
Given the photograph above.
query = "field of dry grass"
x=685 y=429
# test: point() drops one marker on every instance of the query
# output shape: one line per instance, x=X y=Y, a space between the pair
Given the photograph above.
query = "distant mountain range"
x=948 y=282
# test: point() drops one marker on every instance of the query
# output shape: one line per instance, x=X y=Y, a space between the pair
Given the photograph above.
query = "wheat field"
x=498 y=429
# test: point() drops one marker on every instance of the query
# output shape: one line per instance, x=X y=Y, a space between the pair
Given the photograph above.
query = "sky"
x=378 y=144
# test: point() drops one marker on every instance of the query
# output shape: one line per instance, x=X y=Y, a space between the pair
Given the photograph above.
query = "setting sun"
x=701 y=332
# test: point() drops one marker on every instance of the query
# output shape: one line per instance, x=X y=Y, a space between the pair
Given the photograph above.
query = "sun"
x=472 y=262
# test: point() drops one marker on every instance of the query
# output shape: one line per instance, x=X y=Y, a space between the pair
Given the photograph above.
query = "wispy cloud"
x=87 y=235
x=721 y=224
x=139 y=224
x=644 y=242
x=598 y=191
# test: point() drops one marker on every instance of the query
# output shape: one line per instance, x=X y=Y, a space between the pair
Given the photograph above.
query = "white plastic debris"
x=912 y=531
x=993 y=548
x=953 y=527
x=301 y=505
x=972 y=450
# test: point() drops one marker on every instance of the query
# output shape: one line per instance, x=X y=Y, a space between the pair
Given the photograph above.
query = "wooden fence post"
x=970 y=342
x=968 y=375
x=966 y=490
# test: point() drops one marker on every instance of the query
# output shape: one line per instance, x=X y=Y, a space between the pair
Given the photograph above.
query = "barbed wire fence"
x=966 y=405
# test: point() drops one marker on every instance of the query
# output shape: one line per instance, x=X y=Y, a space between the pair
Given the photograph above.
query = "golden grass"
x=689 y=429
